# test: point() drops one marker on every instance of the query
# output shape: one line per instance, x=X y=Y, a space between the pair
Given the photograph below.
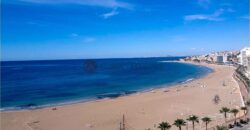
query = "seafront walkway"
x=243 y=87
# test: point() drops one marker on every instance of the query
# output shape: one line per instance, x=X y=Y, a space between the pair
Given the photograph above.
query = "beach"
x=142 y=110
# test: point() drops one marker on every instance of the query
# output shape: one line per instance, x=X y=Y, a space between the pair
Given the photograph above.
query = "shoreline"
x=142 y=110
x=87 y=100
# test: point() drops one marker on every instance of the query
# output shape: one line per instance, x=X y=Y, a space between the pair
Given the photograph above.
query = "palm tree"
x=179 y=122
x=206 y=120
x=244 y=109
x=164 y=126
x=225 y=110
x=221 y=127
x=248 y=103
x=235 y=112
x=193 y=119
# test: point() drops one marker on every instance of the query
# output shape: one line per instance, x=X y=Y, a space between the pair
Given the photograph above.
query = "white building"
x=244 y=59
x=221 y=58
x=248 y=66
x=244 y=53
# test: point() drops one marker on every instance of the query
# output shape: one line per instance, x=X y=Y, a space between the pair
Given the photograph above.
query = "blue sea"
x=35 y=84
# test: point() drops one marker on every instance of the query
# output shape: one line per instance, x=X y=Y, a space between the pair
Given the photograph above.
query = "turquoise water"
x=33 y=84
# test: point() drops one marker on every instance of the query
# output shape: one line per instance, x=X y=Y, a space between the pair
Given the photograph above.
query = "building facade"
x=244 y=60
x=244 y=53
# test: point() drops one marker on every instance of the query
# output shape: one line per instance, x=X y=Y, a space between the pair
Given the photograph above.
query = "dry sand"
x=142 y=110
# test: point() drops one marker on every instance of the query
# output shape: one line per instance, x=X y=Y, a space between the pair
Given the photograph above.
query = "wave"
x=164 y=61
x=33 y=106
x=188 y=80
x=114 y=95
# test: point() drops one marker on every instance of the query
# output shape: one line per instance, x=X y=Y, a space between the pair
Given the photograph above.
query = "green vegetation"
x=179 y=123
x=247 y=103
x=164 y=126
x=235 y=112
x=244 y=109
x=225 y=110
x=206 y=120
x=193 y=119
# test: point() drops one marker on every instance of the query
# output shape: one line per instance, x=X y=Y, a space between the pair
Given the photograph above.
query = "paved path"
x=243 y=89
x=246 y=97
x=246 y=127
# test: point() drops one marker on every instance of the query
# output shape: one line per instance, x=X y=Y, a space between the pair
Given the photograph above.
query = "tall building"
x=248 y=65
x=244 y=59
x=244 y=53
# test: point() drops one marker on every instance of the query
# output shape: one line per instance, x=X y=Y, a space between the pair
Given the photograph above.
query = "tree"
x=206 y=120
x=221 y=127
x=235 y=112
x=244 y=109
x=225 y=110
x=193 y=119
x=164 y=126
x=179 y=123
x=248 y=103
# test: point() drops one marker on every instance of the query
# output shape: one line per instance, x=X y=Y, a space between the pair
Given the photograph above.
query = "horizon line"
x=92 y=58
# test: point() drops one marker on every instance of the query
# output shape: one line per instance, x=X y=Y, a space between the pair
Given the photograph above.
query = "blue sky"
x=75 y=29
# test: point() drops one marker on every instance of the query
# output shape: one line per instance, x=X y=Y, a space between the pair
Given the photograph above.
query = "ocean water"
x=34 y=84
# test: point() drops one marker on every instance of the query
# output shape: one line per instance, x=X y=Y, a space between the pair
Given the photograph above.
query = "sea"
x=43 y=83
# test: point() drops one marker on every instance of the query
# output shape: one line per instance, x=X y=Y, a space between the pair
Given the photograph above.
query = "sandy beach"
x=141 y=110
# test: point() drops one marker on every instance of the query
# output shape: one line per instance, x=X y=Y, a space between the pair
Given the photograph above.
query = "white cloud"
x=88 y=39
x=101 y=3
x=212 y=17
x=201 y=17
x=110 y=14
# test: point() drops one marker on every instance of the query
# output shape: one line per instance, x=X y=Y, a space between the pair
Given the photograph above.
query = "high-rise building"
x=244 y=59
x=244 y=53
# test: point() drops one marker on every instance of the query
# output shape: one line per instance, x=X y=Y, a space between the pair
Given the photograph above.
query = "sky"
x=77 y=29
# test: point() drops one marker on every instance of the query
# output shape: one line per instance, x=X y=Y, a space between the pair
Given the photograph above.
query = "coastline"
x=117 y=95
x=182 y=91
